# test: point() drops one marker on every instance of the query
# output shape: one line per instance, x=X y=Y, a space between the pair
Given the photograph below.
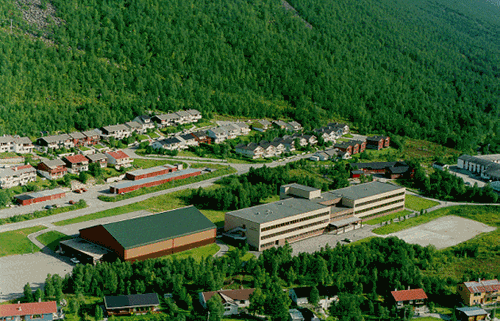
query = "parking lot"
x=17 y=270
x=443 y=232
x=469 y=178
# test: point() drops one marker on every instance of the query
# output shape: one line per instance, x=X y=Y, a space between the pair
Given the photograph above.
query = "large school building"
x=303 y=212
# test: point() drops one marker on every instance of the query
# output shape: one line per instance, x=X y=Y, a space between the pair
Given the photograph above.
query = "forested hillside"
x=426 y=69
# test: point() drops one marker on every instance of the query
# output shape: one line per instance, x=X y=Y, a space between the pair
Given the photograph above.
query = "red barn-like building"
x=154 y=235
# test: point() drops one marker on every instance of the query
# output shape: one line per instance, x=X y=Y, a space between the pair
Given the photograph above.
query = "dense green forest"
x=425 y=69
x=365 y=273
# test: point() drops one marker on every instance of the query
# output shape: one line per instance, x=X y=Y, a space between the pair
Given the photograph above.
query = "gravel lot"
x=443 y=232
x=17 y=270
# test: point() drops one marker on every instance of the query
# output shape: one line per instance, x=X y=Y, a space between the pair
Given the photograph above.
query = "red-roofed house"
x=76 y=163
x=119 y=159
x=37 y=311
x=414 y=297
x=232 y=300
x=479 y=292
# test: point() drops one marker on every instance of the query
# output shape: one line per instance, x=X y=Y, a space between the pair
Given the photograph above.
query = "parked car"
x=79 y=191
x=74 y=260
x=347 y=240
x=83 y=189
x=48 y=207
x=72 y=202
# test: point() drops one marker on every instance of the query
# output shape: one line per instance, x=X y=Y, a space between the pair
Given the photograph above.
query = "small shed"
x=131 y=304
x=471 y=314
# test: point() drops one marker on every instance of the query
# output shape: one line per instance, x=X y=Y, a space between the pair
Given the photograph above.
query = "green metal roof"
x=159 y=227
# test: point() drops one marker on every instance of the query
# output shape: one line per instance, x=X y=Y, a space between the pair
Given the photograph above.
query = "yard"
x=418 y=203
x=16 y=242
x=198 y=253
x=51 y=239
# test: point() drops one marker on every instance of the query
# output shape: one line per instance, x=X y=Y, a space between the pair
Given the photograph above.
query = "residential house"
x=325 y=155
x=218 y=135
x=440 y=166
x=251 y=150
x=261 y=125
x=295 y=315
x=35 y=311
x=189 y=140
x=391 y=170
x=328 y=134
x=327 y=295
x=195 y=115
x=52 y=169
x=301 y=140
x=145 y=122
x=201 y=137
x=479 y=292
x=118 y=132
x=98 y=158
x=56 y=141
x=279 y=146
x=268 y=149
x=294 y=126
x=76 y=163
x=378 y=142
x=6 y=143
x=287 y=141
x=361 y=144
x=311 y=139
x=280 y=124
x=133 y=304
x=172 y=143
x=135 y=127
x=22 y=145
x=341 y=128
x=232 y=131
x=119 y=159
x=470 y=314
x=413 y=297
x=77 y=138
x=165 y=120
x=92 y=137
x=184 y=117
x=232 y=300
x=17 y=176
x=244 y=128
x=344 y=147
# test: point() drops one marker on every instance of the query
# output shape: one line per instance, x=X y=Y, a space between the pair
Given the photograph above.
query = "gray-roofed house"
x=17 y=176
x=217 y=134
x=22 y=145
x=280 y=124
x=189 y=140
x=295 y=315
x=172 y=143
x=78 y=138
x=232 y=300
x=261 y=125
x=119 y=131
x=56 y=141
x=195 y=115
x=154 y=235
x=98 y=158
x=52 y=169
x=145 y=122
x=135 y=127
x=471 y=314
x=165 y=120
x=294 y=126
x=251 y=150
x=131 y=304
x=327 y=294
x=92 y=136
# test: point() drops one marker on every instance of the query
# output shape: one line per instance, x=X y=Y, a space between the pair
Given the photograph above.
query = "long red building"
x=32 y=198
x=129 y=186
x=150 y=172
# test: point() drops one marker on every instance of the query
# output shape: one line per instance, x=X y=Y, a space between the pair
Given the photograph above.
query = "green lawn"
x=8 y=155
x=417 y=203
x=98 y=146
x=385 y=218
x=148 y=163
x=83 y=148
x=51 y=239
x=153 y=135
x=142 y=137
x=428 y=319
x=198 y=253
x=16 y=242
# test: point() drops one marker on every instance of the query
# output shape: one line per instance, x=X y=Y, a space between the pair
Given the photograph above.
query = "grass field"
x=197 y=253
x=16 y=242
x=98 y=146
x=148 y=163
x=417 y=203
x=43 y=213
x=385 y=218
x=51 y=239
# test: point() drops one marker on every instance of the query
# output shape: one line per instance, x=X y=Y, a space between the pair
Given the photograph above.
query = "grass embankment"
x=146 y=190
x=198 y=253
x=16 y=242
x=51 y=239
x=38 y=214
x=386 y=218
x=418 y=203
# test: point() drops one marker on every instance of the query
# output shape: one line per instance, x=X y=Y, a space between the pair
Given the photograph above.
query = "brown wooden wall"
x=99 y=235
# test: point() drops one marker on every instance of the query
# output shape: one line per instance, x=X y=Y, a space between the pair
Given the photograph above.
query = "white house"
x=172 y=143
x=119 y=131
x=135 y=127
x=251 y=150
x=119 y=159
x=327 y=295
x=295 y=315
x=17 y=176
x=232 y=300
x=218 y=135
x=145 y=122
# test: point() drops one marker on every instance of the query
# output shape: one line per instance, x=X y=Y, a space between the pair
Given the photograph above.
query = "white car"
x=74 y=260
